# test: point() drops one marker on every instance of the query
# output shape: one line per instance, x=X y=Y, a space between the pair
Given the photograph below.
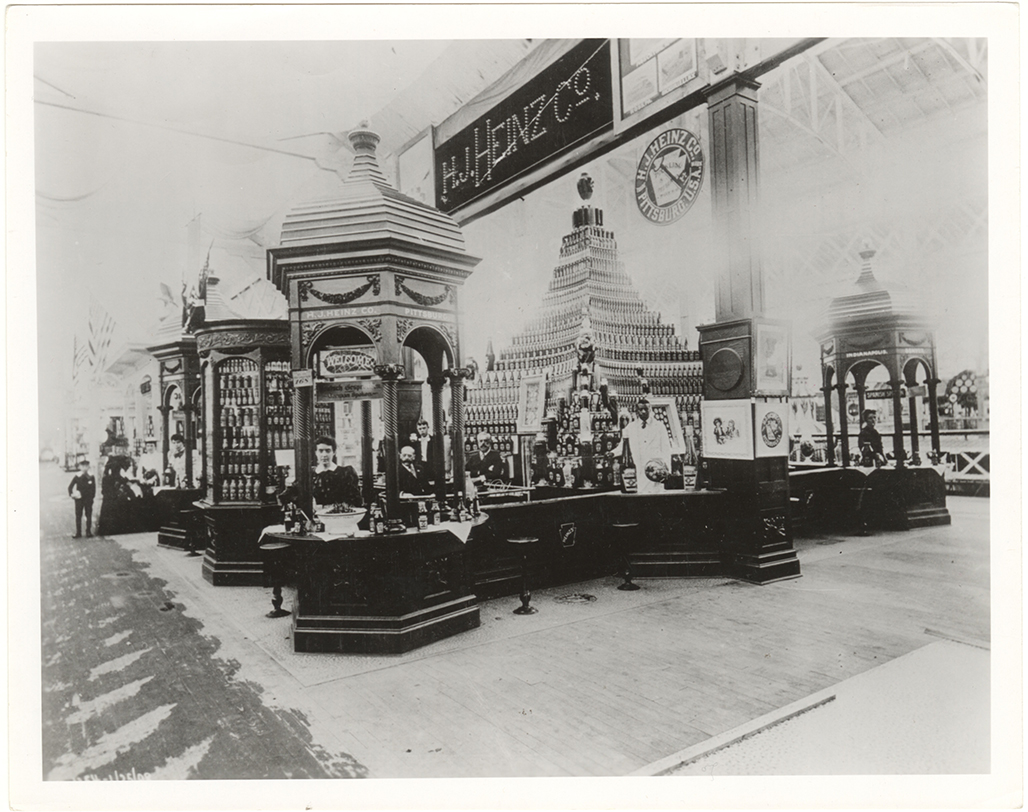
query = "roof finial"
x=585 y=186
x=363 y=139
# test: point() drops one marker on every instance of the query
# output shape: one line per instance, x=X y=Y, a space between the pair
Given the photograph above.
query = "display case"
x=179 y=392
x=248 y=442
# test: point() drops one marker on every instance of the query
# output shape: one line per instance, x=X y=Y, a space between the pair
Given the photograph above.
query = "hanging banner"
x=562 y=106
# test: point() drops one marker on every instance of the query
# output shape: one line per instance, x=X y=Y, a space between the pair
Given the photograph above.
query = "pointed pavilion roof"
x=368 y=207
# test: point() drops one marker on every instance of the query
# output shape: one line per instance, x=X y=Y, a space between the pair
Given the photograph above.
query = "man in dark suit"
x=486 y=463
x=411 y=473
x=83 y=490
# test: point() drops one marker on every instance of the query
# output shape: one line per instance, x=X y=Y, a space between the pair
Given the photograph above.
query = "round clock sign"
x=669 y=176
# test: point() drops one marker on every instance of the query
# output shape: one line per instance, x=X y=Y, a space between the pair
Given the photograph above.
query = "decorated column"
x=844 y=432
x=457 y=376
x=933 y=415
x=746 y=356
x=390 y=374
x=437 y=462
x=896 y=385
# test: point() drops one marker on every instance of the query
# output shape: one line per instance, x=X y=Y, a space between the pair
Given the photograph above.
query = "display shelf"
x=248 y=405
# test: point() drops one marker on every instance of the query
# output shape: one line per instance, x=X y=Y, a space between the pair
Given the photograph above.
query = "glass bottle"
x=629 y=483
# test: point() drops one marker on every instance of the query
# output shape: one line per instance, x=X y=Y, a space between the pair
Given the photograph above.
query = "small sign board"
x=882 y=394
x=303 y=377
x=351 y=390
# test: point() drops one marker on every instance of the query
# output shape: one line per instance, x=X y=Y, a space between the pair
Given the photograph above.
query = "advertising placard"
x=772 y=429
x=727 y=429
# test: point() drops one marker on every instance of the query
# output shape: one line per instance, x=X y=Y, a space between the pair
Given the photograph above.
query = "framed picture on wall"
x=531 y=403
x=727 y=429
x=772 y=365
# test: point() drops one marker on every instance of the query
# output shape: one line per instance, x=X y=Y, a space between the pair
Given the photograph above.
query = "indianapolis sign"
x=669 y=176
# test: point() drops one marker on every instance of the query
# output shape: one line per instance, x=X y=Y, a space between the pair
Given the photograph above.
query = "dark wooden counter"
x=373 y=594
x=181 y=523
x=679 y=533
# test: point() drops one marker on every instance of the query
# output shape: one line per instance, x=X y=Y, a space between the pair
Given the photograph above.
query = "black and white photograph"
x=514 y=392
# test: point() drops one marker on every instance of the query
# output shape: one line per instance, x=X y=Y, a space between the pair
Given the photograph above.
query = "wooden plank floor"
x=613 y=692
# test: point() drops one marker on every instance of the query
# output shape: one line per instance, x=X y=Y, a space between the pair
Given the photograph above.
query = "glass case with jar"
x=248 y=439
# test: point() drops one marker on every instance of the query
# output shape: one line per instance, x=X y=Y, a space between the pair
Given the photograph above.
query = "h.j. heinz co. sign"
x=564 y=105
x=669 y=176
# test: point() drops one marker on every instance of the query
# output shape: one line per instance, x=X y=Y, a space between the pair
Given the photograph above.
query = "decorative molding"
x=241 y=338
x=389 y=372
x=448 y=331
x=774 y=526
x=308 y=330
x=403 y=328
x=305 y=288
x=382 y=259
x=914 y=339
x=865 y=342
x=420 y=298
x=373 y=328
x=170 y=369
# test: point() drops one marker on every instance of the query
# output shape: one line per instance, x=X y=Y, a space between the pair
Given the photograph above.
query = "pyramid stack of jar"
x=590 y=307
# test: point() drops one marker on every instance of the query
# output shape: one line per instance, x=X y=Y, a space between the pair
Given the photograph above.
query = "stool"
x=526 y=596
x=625 y=541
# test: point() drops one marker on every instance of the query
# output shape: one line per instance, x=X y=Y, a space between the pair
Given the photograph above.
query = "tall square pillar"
x=746 y=357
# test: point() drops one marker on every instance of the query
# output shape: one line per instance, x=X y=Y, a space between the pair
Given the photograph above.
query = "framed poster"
x=531 y=402
x=771 y=360
x=771 y=424
x=727 y=429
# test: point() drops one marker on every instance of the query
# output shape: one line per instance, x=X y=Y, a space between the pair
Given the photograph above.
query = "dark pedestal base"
x=232 y=557
x=357 y=634
x=828 y=500
x=181 y=523
x=373 y=594
x=905 y=498
x=765 y=567
x=758 y=537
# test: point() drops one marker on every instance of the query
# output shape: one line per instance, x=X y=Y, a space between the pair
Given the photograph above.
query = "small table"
x=624 y=537
x=526 y=596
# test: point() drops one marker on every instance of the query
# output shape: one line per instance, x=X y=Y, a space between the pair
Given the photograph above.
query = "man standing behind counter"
x=486 y=463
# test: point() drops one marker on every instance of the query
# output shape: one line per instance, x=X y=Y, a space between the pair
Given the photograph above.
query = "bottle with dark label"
x=629 y=483
x=422 y=516
x=377 y=520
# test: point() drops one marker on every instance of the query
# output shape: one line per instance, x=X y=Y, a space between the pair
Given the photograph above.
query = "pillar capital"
x=455 y=374
x=437 y=381
x=732 y=85
x=389 y=372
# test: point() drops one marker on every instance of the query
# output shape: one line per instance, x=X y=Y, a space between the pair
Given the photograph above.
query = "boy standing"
x=83 y=489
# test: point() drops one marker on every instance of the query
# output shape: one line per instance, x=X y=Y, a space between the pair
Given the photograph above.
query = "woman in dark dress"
x=333 y=484
x=127 y=506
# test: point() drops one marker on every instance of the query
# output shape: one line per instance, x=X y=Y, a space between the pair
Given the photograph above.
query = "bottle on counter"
x=377 y=520
x=435 y=516
x=422 y=516
x=289 y=517
x=629 y=482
